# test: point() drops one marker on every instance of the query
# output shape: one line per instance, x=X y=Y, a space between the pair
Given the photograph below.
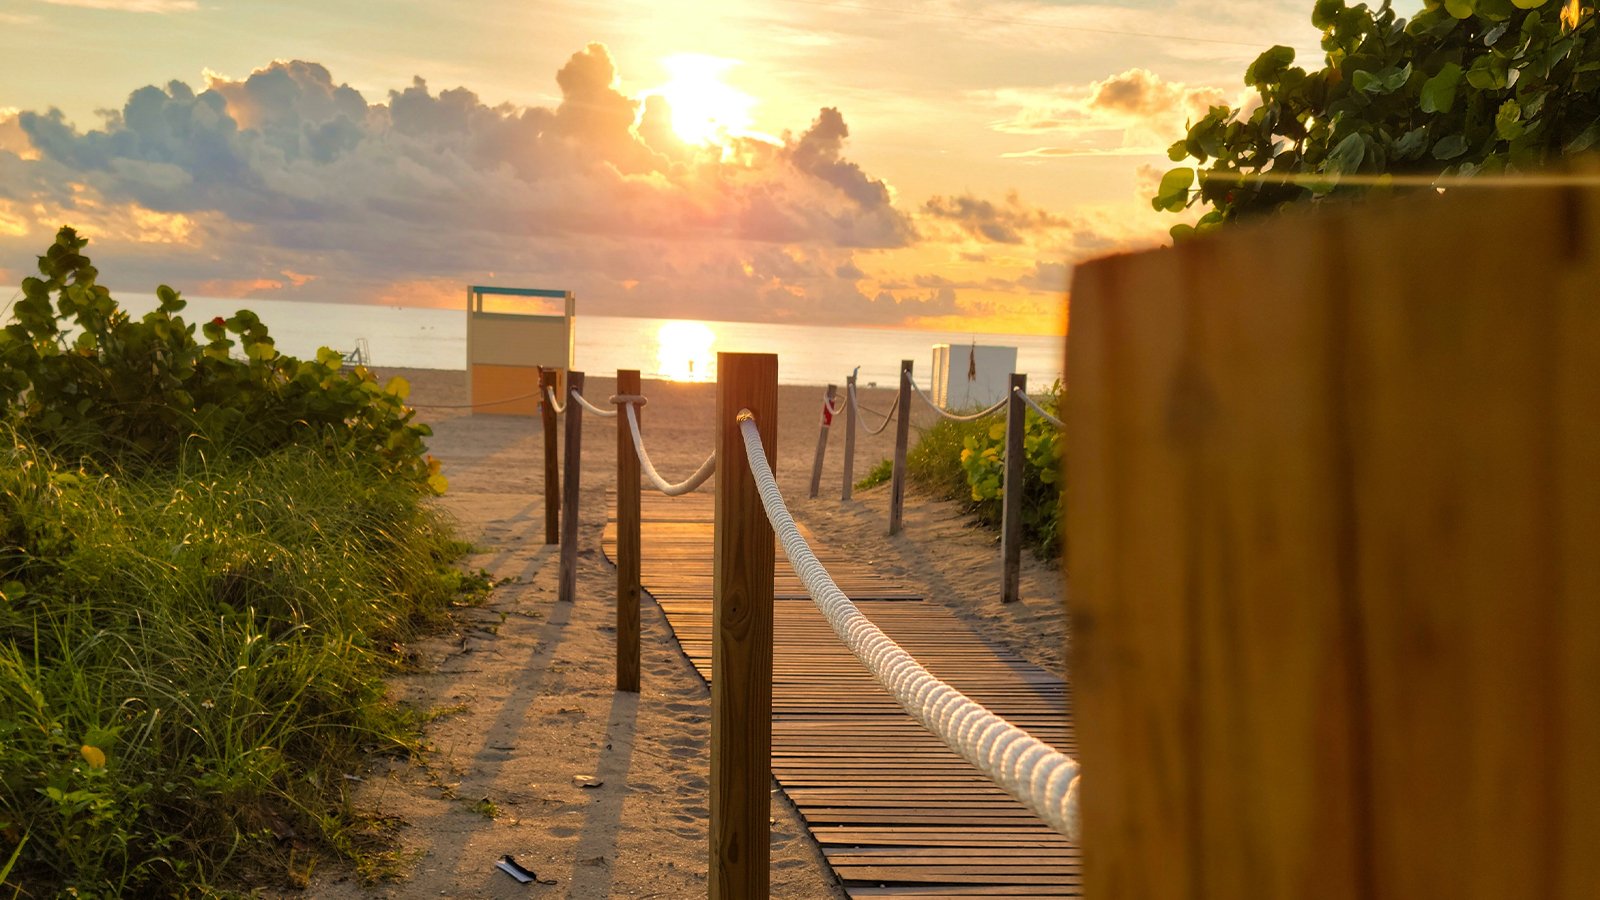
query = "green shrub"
x=191 y=661
x=139 y=391
x=933 y=463
x=965 y=461
x=878 y=474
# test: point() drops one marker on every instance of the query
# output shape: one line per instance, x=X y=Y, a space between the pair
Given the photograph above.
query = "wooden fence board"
x=1332 y=523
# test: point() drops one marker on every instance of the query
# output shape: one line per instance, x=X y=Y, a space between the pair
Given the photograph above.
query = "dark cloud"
x=1000 y=223
x=1047 y=276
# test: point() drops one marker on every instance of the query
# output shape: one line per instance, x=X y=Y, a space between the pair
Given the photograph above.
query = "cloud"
x=1000 y=223
x=136 y=6
x=290 y=183
x=1131 y=113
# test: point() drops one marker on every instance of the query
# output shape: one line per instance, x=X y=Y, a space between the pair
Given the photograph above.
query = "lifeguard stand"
x=971 y=376
x=507 y=342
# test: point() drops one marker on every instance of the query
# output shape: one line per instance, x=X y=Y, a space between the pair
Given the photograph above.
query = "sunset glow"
x=705 y=110
x=906 y=166
x=684 y=351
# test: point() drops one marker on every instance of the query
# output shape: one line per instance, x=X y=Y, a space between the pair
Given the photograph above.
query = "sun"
x=683 y=351
x=705 y=110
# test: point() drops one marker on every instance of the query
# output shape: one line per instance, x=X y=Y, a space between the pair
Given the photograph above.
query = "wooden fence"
x=1334 y=541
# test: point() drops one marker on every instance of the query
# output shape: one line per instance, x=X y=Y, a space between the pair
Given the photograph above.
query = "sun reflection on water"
x=683 y=351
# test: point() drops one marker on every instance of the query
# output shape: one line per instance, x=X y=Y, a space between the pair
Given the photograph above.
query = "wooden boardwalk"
x=896 y=812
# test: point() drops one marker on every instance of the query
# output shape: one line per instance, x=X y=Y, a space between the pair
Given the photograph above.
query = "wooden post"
x=741 y=654
x=1011 y=500
x=822 y=440
x=627 y=539
x=849 y=437
x=552 y=471
x=568 y=582
x=1332 y=555
x=902 y=436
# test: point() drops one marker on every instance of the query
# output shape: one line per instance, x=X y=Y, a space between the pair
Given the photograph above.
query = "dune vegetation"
x=210 y=554
x=965 y=461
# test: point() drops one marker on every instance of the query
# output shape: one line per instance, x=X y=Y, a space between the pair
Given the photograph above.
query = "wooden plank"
x=1453 y=374
x=1577 y=459
x=1133 y=663
x=1254 y=407
x=741 y=700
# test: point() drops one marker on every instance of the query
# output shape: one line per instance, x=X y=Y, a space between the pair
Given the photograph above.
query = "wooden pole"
x=568 y=583
x=741 y=649
x=552 y=470
x=1011 y=499
x=627 y=539
x=849 y=437
x=902 y=436
x=822 y=441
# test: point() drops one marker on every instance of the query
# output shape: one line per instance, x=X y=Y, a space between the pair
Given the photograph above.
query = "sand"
x=522 y=687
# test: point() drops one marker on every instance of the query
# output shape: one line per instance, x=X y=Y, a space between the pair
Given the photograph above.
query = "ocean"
x=684 y=350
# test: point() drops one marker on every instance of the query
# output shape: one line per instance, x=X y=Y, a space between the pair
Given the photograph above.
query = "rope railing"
x=584 y=402
x=1038 y=409
x=887 y=417
x=1043 y=779
x=550 y=395
x=706 y=470
x=955 y=417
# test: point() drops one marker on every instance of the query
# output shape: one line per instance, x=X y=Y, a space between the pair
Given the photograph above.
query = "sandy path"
x=525 y=685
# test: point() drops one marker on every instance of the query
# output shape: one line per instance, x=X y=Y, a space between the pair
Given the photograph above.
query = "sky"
x=898 y=163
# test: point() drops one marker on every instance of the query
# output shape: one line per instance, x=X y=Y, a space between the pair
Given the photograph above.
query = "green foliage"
x=125 y=391
x=965 y=461
x=878 y=474
x=191 y=661
x=983 y=461
x=1462 y=88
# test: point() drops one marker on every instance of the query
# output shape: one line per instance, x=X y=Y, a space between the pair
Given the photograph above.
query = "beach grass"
x=191 y=664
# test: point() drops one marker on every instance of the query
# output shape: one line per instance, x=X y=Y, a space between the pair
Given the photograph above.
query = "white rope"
x=550 y=395
x=602 y=413
x=1039 y=409
x=671 y=490
x=829 y=405
x=887 y=417
x=1044 y=779
x=998 y=405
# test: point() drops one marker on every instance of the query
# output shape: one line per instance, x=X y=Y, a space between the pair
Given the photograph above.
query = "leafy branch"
x=1464 y=88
